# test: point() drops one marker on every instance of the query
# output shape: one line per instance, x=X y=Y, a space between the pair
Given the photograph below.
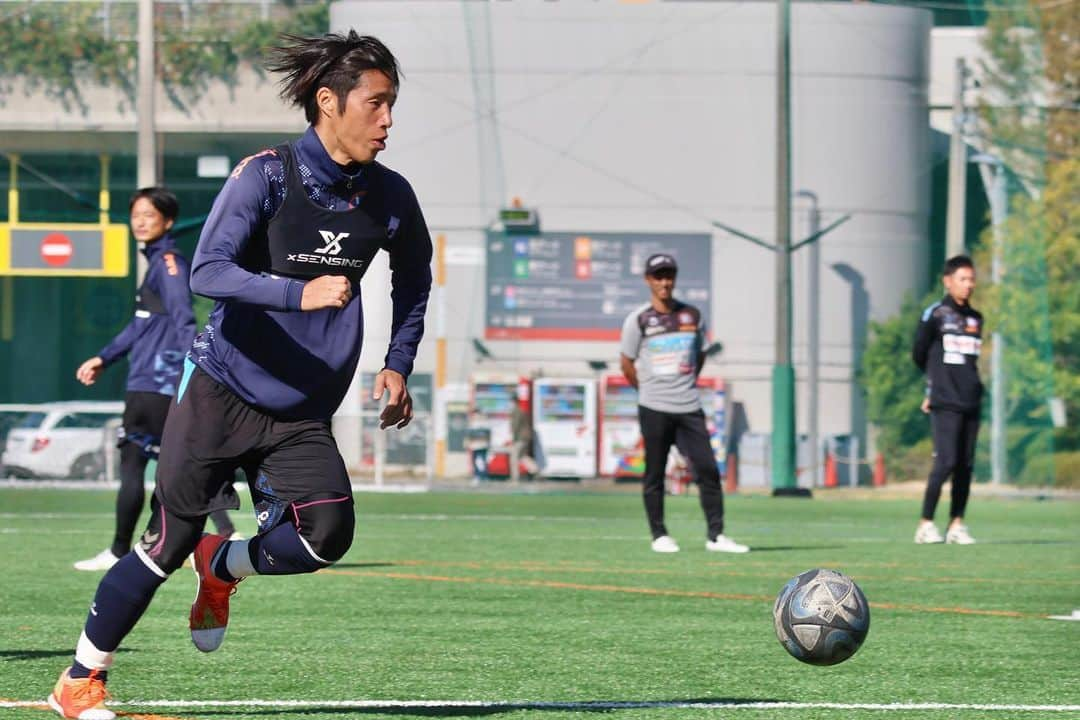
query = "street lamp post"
x=782 y=485
x=992 y=170
x=813 y=341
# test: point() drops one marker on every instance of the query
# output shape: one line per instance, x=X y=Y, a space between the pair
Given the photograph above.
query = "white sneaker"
x=723 y=543
x=927 y=534
x=102 y=561
x=959 y=535
x=665 y=544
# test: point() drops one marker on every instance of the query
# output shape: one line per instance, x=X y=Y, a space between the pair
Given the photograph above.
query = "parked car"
x=63 y=439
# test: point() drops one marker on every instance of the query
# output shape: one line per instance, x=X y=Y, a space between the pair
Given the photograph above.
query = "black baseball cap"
x=660 y=261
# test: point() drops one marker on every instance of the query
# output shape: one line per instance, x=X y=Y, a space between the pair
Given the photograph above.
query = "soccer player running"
x=662 y=353
x=947 y=344
x=282 y=252
x=154 y=342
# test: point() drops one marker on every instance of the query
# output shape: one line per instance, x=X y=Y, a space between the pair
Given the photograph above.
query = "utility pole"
x=146 y=145
x=813 y=340
x=954 y=222
x=999 y=210
x=992 y=170
x=783 y=377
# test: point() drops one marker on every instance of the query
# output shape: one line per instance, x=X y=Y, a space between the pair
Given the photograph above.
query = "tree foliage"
x=60 y=47
x=1030 y=120
x=894 y=385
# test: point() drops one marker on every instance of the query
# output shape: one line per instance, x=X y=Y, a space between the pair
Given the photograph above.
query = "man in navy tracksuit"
x=283 y=251
x=154 y=342
x=947 y=345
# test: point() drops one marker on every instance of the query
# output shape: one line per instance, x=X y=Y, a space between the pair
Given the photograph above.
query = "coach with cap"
x=662 y=353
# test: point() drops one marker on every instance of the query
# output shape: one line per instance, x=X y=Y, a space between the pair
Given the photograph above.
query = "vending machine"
x=495 y=400
x=491 y=408
x=564 y=422
x=622 y=454
x=714 y=404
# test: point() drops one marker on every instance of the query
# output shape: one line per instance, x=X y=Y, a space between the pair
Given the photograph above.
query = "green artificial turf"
x=557 y=598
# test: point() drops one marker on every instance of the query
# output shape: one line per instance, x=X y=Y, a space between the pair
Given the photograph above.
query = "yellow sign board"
x=64 y=249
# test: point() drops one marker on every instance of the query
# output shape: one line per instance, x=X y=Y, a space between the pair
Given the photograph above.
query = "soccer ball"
x=821 y=617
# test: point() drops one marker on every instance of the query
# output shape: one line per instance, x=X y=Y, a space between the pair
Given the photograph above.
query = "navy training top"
x=947 y=344
x=257 y=342
x=163 y=326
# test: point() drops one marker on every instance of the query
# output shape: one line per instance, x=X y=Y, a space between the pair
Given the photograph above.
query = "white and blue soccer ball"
x=821 y=617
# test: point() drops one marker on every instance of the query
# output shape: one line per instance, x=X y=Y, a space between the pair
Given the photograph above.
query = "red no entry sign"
x=56 y=249
x=64 y=250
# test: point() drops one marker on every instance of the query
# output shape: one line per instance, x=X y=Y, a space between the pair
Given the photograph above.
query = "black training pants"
x=660 y=430
x=955 y=434
x=144 y=422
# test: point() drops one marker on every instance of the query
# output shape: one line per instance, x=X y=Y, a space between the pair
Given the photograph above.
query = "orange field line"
x=551 y=584
x=538 y=566
x=656 y=591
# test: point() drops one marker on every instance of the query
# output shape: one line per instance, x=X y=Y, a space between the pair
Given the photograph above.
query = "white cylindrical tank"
x=660 y=117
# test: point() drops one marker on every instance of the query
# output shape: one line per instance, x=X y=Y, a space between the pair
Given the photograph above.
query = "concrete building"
x=625 y=117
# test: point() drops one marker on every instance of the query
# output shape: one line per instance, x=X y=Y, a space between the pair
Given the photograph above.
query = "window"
x=31 y=421
x=83 y=420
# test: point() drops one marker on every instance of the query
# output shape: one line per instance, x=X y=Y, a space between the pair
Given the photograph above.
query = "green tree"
x=1031 y=86
x=1061 y=219
x=1029 y=118
x=895 y=387
x=58 y=47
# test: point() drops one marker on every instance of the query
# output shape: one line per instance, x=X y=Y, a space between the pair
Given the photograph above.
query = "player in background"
x=283 y=251
x=662 y=353
x=946 y=348
x=154 y=342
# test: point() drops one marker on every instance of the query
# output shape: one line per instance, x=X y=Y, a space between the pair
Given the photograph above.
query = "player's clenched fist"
x=327 y=291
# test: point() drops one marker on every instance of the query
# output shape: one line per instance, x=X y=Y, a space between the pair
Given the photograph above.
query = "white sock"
x=238 y=562
x=90 y=657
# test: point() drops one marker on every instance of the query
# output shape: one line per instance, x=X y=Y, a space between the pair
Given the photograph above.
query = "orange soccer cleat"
x=81 y=698
x=210 y=611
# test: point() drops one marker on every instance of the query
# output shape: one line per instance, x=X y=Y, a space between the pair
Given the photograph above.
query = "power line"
x=566 y=80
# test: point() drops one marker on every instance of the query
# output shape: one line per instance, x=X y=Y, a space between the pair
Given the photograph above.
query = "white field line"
x=567 y=705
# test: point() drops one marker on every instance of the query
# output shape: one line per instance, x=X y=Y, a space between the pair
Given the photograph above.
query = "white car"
x=63 y=439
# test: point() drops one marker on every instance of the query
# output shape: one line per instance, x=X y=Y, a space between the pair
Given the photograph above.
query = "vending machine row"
x=571 y=427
